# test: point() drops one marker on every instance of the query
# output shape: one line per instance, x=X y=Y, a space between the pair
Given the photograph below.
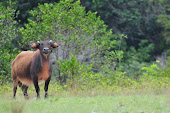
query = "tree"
x=164 y=20
x=78 y=33
x=135 y=18
x=8 y=32
x=23 y=7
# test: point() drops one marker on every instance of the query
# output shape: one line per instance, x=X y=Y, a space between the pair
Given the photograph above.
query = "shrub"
x=152 y=78
x=73 y=69
x=166 y=72
x=8 y=32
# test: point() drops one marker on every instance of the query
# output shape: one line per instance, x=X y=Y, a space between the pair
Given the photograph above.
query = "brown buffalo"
x=33 y=67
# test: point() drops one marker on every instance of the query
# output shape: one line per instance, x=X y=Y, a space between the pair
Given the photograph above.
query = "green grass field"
x=123 y=103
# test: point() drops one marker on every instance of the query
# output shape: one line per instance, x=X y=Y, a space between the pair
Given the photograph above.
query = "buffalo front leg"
x=46 y=86
x=35 y=81
x=24 y=90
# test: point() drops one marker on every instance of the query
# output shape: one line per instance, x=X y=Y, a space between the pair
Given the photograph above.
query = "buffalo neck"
x=39 y=59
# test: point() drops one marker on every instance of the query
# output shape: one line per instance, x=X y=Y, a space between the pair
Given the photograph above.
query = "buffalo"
x=33 y=68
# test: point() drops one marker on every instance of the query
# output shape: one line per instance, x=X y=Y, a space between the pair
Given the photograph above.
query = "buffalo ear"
x=54 y=45
x=34 y=45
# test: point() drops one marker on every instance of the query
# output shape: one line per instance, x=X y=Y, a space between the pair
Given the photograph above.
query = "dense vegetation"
x=113 y=54
x=111 y=45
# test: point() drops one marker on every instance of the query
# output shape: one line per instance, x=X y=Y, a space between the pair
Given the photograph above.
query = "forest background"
x=109 y=44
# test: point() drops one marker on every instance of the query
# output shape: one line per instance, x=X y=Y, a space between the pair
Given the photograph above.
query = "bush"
x=8 y=32
x=136 y=58
x=152 y=78
x=72 y=69
x=117 y=80
x=166 y=72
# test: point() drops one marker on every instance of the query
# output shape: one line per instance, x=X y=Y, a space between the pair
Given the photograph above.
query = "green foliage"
x=78 y=32
x=138 y=20
x=67 y=23
x=61 y=20
x=134 y=59
x=142 y=54
x=83 y=33
x=165 y=21
x=5 y=64
x=23 y=7
x=135 y=18
x=73 y=68
x=150 y=71
x=81 y=77
x=151 y=77
x=8 y=25
x=166 y=71
x=8 y=32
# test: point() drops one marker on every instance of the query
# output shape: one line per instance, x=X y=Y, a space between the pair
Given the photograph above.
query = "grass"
x=87 y=101
x=98 y=104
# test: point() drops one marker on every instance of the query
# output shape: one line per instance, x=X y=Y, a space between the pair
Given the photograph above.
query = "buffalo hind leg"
x=35 y=81
x=15 y=83
x=46 y=86
x=24 y=90
x=19 y=84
